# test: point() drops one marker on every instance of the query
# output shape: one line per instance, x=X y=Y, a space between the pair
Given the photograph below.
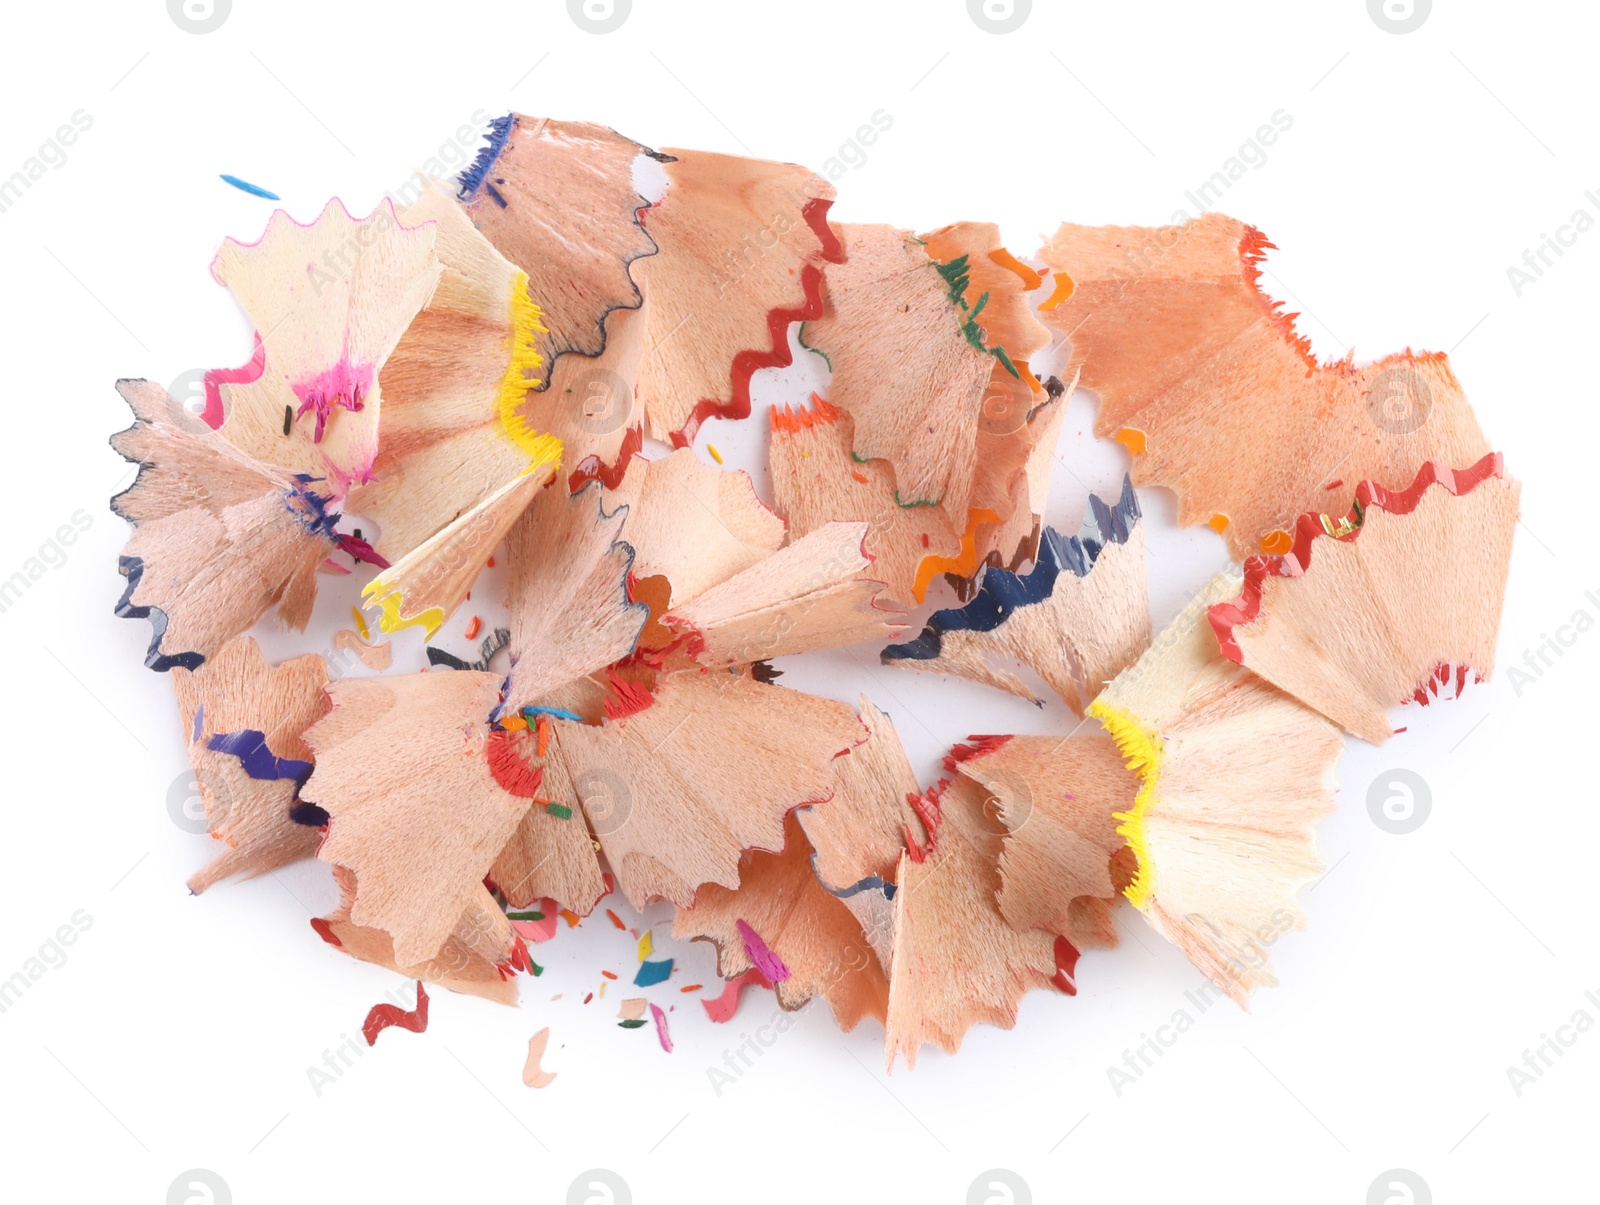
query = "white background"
x=1417 y=170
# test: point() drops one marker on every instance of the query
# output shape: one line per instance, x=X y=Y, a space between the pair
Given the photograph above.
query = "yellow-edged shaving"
x=1142 y=749
x=525 y=361
x=544 y=448
x=438 y=573
x=389 y=604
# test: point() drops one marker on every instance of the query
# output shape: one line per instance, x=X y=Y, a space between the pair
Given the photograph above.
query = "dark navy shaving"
x=492 y=644
x=250 y=746
x=1000 y=592
x=871 y=883
x=471 y=179
x=259 y=762
x=308 y=814
x=314 y=514
x=132 y=568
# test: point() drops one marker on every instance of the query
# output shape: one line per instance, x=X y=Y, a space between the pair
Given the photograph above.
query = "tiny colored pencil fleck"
x=615 y=919
x=559 y=712
x=255 y=190
x=473 y=628
x=1133 y=439
x=661 y=1027
x=361 y=624
x=1059 y=293
x=691 y=987
x=646 y=946
x=572 y=918
x=651 y=973
x=609 y=974
x=715 y=455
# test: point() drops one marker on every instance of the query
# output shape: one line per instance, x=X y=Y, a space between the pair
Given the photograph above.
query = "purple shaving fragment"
x=250 y=747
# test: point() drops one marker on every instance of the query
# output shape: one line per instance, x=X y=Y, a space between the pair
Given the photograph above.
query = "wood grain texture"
x=736 y=249
x=815 y=593
x=1078 y=618
x=442 y=447
x=570 y=220
x=816 y=480
x=426 y=585
x=568 y=593
x=1057 y=798
x=957 y=962
x=816 y=935
x=591 y=403
x=388 y=756
x=678 y=791
x=901 y=365
x=994 y=294
x=861 y=832
x=548 y=856
x=1016 y=458
x=220 y=539
x=1355 y=626
x=693 y=523
x=1242 y=774
x=234 y=691
x=464 y=963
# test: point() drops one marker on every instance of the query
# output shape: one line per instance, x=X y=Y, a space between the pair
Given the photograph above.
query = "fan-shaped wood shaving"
x=391 y=750
x=705 y=771
x=901 y=365
x=740 y=258
x=235 y=691
x=329 y=302
x=1354 y=625
x=1235 y=776
x=557 y=199
x=816 y=936
x=1221 y=395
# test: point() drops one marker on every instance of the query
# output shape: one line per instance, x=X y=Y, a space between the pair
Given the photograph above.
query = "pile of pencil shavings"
x=475 y=375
